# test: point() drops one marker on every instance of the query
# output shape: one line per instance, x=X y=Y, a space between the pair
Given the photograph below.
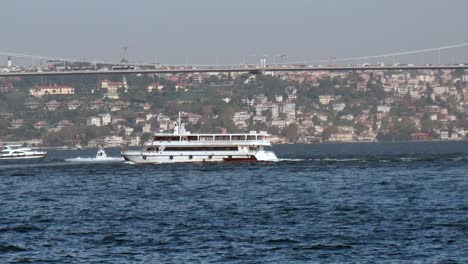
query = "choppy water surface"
x=321 y=203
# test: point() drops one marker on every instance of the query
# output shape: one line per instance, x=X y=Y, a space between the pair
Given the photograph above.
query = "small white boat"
x=101 y=157
x=11 y=152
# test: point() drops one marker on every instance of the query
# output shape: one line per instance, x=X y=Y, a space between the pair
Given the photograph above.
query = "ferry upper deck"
x=253 y=138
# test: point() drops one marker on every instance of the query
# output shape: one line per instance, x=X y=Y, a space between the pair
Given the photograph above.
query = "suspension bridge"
x=332 y=64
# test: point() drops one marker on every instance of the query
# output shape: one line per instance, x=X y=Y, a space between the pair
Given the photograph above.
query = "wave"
x=324 y=247
x=343 y=160
x=32 y=165
x=11 y=248
x=409 y=159
x=20 y=229
x=282 y=241
x=460 y=158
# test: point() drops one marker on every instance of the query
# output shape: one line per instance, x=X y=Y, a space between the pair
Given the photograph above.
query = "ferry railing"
x=215 y=141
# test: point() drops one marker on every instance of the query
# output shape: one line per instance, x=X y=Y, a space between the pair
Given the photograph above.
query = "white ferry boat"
x=182 y=146
x=18 y=152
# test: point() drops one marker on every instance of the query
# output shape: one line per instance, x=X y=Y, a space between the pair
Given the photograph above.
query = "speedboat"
x=18 y=152
x=182 y=146
x=101 y=157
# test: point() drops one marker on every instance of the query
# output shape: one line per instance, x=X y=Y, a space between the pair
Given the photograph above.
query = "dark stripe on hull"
x=246 y=159
x=159 y=159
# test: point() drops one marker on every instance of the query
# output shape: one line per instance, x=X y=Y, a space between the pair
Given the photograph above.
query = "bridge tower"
x=263 y=63
x=124 y=60
x=282 y=58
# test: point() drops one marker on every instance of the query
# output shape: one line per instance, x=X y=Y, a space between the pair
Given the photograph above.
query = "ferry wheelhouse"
x=182 y=146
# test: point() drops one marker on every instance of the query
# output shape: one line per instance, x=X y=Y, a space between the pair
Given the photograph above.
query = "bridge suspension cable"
x=39 y=57
x=388 y=55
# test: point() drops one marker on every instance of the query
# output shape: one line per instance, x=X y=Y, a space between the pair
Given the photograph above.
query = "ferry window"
x=200 y=149
x=171 y=157
x=238 y=137
x=229 y=157
x=206 y=138
x=250 y=137
x=152 y=149
x=210 y=156
x=190 y=157
x=221 y=137
x=192 y=138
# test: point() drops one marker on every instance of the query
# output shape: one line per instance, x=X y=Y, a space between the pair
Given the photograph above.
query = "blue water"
x=374 y=203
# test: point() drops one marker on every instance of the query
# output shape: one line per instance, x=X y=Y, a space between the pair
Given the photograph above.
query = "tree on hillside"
x=4 y=127
x=402 y=129
x=290 y=132
x=267 y=113
x=359 y=128
x=328 y=131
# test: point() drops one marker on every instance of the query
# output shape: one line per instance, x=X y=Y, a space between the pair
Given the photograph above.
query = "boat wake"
x=101 y=157
x=376 y=159
x=95 y=160
x=321 y=160
x=280 y=160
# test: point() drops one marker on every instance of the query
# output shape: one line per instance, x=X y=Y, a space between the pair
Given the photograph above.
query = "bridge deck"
x=233 y=69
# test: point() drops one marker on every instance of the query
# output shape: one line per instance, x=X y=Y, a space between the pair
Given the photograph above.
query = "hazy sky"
x=178 y=31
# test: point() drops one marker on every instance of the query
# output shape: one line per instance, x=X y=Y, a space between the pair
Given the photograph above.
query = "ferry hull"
x=159 y=158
